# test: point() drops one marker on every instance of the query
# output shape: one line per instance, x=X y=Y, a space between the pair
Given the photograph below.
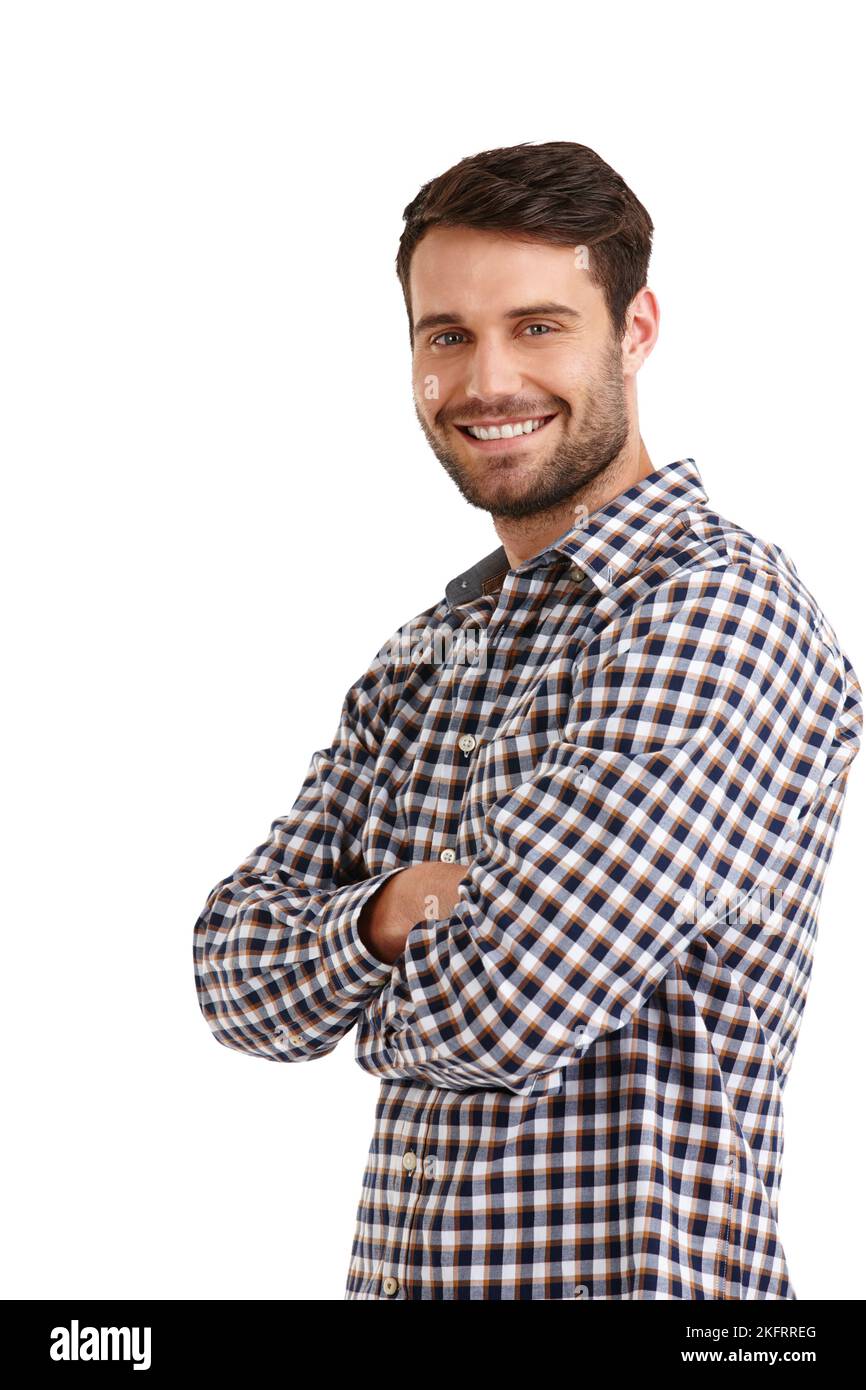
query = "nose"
x=493 y=371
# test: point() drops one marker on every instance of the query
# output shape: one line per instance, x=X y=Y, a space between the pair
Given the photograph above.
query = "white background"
x=218 y=504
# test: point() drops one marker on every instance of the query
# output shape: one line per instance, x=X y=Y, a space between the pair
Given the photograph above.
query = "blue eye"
x=449 y=333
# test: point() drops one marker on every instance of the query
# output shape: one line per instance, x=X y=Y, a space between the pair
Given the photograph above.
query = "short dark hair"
x=557 y=192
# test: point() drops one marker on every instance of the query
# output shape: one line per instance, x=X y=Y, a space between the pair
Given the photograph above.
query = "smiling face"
x=518 y=379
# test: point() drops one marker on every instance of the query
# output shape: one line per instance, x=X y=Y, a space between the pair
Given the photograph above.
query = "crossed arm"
x=689 y=755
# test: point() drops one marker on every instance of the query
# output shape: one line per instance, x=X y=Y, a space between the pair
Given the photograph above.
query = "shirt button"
x=577 y=572
x=389 y=1285
x=409 y=1161
x=448 y=856
x=466 y=743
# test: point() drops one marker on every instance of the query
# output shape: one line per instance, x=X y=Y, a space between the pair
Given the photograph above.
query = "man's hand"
x=428 y=889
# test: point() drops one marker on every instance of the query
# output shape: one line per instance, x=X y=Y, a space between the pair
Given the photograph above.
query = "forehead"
x=466 y=270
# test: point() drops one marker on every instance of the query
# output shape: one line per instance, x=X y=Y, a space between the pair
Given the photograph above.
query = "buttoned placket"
x=418 y=1167
x=461 y=743
x=410 y=1172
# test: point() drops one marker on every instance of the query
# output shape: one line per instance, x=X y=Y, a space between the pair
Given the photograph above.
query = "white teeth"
x=506 y=431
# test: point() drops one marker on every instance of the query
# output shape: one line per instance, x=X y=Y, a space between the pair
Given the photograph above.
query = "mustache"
x=502 y=409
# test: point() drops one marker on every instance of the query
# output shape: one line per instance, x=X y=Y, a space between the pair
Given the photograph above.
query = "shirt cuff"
x=353 y=969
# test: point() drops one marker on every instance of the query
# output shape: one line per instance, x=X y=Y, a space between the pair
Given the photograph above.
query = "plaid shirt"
x=638 y=741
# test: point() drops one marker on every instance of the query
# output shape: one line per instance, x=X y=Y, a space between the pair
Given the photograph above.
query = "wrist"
x=372 y=924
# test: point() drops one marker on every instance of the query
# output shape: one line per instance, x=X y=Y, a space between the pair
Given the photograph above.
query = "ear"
x=642 y=330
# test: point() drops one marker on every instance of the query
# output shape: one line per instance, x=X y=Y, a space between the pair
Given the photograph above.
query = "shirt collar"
x=605 y=544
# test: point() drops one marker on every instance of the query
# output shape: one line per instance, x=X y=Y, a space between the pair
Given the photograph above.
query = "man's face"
x=511 y=331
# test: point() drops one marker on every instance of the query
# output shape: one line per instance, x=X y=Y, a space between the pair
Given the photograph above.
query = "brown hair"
x=557 y=192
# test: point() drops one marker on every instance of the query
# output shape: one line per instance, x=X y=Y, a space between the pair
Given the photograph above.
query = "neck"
x=528 y=536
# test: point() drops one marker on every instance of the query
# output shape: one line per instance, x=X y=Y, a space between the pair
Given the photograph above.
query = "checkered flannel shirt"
x=638 y=742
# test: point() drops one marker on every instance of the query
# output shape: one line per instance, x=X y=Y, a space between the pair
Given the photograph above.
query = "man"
x=565 y=881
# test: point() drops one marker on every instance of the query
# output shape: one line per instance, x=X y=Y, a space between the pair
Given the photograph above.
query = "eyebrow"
x=524 y=311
